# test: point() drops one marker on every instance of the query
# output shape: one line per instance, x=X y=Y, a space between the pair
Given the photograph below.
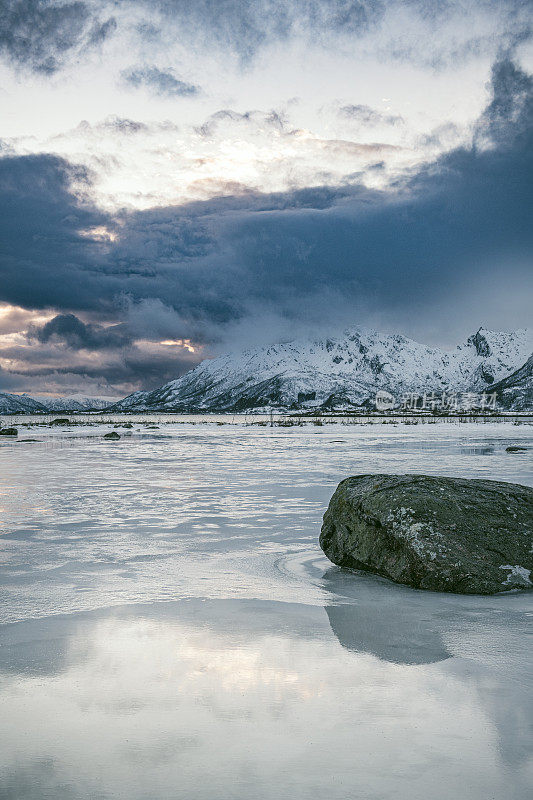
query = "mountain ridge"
x=25 y=404
x=337 y=372
x=515 y=392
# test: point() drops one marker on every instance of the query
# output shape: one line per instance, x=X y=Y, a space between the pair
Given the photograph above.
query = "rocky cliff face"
x=338 y=372
x=515 y=393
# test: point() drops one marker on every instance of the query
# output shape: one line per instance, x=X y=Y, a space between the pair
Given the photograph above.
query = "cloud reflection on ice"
x=257 y=698
x=173 y=631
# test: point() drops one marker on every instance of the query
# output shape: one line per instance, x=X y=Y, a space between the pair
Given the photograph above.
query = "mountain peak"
x=343 y=370
x=479 y=341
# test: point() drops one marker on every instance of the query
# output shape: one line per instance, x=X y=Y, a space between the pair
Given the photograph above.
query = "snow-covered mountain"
x=77 y=402
x=338 y=372
x=23 y=404
x=20 y=404
x=515 y=392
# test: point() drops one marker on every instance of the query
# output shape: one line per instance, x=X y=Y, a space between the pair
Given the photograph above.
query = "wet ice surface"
x=172 y=630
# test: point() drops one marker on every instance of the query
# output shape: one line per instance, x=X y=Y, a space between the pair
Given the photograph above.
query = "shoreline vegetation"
x=273 y=418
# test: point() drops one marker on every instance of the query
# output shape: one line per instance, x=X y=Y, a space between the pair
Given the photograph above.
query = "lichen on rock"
x=444 y=534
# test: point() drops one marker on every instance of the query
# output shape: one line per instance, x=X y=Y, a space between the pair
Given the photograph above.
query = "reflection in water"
x=256 y=697
x=478 y=450
x=398 y=638
x=143 y=655
x=391 y=630
x=485 y=637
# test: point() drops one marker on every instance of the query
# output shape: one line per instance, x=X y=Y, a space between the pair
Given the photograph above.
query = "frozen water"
x=172 y=630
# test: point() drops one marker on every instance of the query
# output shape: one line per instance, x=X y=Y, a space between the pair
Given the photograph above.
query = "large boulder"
x=444 y=534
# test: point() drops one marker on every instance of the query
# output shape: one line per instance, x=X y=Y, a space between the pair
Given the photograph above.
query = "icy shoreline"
x=167 y=614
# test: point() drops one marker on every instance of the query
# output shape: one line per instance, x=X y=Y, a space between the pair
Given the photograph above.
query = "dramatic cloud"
x=66 y=354
x=41 y=34
x=508 y=119
x=43 y=233
x=437 y=33
x=245 y=27
x=126 y=281
x=78 y=335
x=146 y=164
x=45 y=35
x=162 y=82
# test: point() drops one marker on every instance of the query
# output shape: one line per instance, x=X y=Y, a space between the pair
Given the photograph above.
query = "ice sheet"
x=171 y=628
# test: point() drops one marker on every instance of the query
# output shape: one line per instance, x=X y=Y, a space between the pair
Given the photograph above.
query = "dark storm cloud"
x=508 y=119
x=45 y=35
x=195 y=269
x=46 y=260
x=464 y=213
x=78 y=335
x=161 y=82
x=137 y=368
x=245 y=27
x=9 y=381
x=450 y=54
x=121 y=375
x=42 y=34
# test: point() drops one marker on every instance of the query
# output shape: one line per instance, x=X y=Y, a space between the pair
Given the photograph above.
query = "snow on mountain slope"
x=515 y=392
x=23 y=404
x=77 y=402
x=19 y=404
x=337 y=372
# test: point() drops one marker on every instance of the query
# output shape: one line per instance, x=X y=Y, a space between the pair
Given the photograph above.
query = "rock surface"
x=8 y=432
x=515 y=392
x=444 y=534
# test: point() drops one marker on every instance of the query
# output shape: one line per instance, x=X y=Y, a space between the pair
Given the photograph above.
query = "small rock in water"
x=8 y=432
x=444 y=534
x=112 y=435
x=515 y=449
x=60 y=421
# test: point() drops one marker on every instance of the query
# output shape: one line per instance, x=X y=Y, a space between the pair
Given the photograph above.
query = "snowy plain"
x=171 y=629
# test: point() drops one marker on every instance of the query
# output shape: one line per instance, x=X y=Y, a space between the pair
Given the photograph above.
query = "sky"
x=183 y=178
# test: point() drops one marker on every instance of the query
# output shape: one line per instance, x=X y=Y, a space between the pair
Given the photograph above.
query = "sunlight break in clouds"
x=183 y=172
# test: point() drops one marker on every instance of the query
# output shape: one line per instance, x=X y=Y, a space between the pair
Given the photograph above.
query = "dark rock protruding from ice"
x=444 y=534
